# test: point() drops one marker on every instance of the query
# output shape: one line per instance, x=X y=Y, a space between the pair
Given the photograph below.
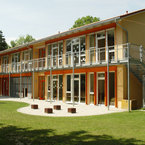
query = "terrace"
x=85 y=58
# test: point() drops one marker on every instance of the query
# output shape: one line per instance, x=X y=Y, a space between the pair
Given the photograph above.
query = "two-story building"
x=73 y=65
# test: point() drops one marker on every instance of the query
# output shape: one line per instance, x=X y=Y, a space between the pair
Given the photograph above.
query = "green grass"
x=111 y=129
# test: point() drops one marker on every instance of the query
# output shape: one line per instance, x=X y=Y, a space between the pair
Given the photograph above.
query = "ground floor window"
x=91 y=88
x=26 y=87
x=79 y=88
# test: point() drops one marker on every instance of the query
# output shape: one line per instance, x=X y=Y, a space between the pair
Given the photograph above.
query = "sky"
x=42 y=18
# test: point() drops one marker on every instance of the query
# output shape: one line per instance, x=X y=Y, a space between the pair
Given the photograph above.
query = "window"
x=91 y=83
x=92 y=88
x=110 y=37
x=16 y=57
x=68 y=83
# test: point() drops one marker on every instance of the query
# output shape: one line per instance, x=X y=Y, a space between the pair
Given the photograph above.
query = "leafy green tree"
x=3 y=44
x=84 y=21
x=21 y=40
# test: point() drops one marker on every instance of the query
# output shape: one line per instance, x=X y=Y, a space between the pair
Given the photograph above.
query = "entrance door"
x=101 y=88
x=41 y=88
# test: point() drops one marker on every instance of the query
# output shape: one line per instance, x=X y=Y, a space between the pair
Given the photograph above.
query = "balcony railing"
x=93 y=56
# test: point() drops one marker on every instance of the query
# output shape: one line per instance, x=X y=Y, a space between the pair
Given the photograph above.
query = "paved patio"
x=81 y=109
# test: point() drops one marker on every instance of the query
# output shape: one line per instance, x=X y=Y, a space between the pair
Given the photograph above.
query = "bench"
x=34 y=106
x=57 y=107
x=71 y=110
x=48 y=110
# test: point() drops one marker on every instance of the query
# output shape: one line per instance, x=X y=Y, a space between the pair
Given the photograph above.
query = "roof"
x=75 y=30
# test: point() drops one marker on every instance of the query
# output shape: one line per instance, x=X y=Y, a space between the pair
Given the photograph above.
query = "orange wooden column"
x=116 y=89
x=95 y=96
x=86 y=88
x=105 y=88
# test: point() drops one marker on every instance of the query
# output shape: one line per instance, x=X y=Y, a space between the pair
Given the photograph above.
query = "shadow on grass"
x=12 y=135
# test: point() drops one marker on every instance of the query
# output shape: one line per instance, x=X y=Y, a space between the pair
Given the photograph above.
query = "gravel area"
x=81 y=109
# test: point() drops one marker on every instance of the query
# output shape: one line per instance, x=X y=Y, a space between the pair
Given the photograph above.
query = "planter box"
x=71 y=110
x=34 y=106
x=57 y=107
x=48 y=110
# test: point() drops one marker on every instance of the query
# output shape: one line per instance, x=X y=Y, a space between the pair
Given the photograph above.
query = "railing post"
x=128 y=50
x=140 y=53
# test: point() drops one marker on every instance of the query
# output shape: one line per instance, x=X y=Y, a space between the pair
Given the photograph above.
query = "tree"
x=21 y=40
x=3 y=44
x=84 y=21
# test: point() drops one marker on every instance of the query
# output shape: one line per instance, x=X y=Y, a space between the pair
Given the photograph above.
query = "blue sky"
x=41 y=18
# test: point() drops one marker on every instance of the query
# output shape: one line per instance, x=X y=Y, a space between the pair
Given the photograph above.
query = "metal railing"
x=93 y=56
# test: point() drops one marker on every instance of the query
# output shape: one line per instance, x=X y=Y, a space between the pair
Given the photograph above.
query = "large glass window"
x=78 y=47
x=92 y=48
x=110 y=36
x=55 y=52
x=27 y=55
x=98 y=46
x=49 y=55
x=16 y=57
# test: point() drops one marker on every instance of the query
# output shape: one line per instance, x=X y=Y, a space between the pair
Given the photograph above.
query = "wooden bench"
x=71 y=110
x=34 y=106
x=48 y=110
x=57 y=107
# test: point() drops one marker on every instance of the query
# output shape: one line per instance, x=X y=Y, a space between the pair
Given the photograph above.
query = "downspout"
x=128 y=65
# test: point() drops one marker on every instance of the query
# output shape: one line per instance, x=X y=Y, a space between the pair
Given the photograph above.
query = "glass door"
x=101 y=88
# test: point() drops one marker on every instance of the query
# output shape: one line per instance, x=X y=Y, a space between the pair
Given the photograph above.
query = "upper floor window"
x=55 y=51
x=16 y=57
x=98 y=43
x=5 y=59
x=78 y=47
x=27 y=55
x=41 y=52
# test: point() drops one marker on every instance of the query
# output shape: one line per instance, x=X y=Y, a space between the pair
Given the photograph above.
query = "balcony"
x=92 y=57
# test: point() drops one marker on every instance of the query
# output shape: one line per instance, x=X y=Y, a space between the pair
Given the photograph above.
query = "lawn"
x=111 y=129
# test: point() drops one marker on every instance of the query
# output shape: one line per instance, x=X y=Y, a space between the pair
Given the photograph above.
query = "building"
x=79 y=59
